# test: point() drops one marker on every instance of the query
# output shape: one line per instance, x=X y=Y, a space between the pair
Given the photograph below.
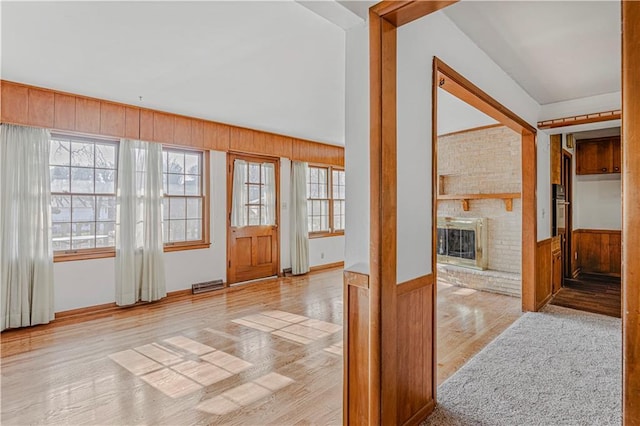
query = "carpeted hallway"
x=556 y=367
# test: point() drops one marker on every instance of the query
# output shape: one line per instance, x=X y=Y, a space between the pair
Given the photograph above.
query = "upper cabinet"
x=598 y=156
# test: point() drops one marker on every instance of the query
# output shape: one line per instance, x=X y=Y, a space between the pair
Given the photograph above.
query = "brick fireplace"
x=483 y=161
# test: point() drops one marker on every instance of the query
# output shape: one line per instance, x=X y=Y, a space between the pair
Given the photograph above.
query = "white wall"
x=326 y=250
x=543 y=185
x=597 y=202
x=85 y=283
x=455 y=115
x=357 y=148
x=418 y=43
x=92 y=282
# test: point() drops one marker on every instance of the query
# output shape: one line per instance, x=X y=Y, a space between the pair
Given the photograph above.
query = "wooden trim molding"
x=574 y=120
x=450 y=80
x=60 y=111
x=415 y=284
x=630 y=213
x=473 y=129
x=326 y=266
x=356 y=279
x=388 y=391
x=457 y=85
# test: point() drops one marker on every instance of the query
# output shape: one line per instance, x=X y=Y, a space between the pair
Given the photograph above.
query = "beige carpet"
x=557 y=367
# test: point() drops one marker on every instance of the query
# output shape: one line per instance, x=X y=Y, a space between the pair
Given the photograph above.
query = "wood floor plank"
x=591 y=293
x=102 y=370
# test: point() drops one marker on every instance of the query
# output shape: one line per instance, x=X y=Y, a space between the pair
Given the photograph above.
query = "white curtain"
x=269 y=187
x=299 y=230
x=26 y=256
x=239 y=195
x=140 y=273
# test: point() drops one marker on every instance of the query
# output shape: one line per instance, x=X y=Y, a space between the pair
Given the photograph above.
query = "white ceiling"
x=555 y=50
x=280 y=65
x=275 y=66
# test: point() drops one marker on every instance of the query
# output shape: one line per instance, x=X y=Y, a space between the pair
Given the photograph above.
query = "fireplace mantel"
x=506 y=197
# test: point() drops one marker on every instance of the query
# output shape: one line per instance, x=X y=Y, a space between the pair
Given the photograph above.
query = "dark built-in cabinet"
x=598 y=156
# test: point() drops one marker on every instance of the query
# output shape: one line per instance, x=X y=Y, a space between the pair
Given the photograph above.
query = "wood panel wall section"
x=599 y=251
x=357 y=347
x=33 y=106
x=544 y=263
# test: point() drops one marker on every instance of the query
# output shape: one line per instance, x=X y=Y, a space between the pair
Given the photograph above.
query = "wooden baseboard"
x=575 y=273
x=544 y=302
x=421 y=414
x=107 y=308
x=326 y=266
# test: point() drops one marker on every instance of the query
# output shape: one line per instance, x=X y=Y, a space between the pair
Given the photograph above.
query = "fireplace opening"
x=462 y=241
x=459 y=243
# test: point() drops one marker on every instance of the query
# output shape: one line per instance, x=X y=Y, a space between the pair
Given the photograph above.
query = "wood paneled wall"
x=34 y=106
x=357 y=348
x=544 y=284
x=414 y=369
x=599 y=251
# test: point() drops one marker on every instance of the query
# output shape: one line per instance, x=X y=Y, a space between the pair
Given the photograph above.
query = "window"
x=337 y=179
x=255 y=197
x=184 y=202
x=83 y=175
x=325 y=199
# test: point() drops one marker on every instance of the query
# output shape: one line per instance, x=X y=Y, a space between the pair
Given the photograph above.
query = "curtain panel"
x=26 y=256
x=140 y=271
x=299 y=226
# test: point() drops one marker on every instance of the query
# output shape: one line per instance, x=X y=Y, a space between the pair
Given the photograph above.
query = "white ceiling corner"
x=333 y=12
x=555 y=50
x=267 y=65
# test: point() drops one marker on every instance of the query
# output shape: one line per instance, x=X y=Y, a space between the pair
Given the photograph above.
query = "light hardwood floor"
x=268 y=353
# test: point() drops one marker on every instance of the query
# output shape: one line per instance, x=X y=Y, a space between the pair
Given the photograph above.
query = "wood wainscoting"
x=544 y=287
x=411 y=368
x=599 y=251
x=69 y=113
x=357 y=348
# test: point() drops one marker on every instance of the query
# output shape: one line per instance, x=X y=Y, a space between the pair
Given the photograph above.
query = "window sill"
x=84 y=255
x=315 y=235
x=111 y=252
x=186 y=246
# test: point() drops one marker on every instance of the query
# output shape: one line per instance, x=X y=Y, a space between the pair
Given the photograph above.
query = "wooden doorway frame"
x=448 y=79
x=630 y=141
x=384 y=19
x=567 y=247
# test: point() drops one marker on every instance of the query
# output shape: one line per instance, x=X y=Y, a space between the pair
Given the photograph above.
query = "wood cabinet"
x=598 y=156
x=556 y=264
